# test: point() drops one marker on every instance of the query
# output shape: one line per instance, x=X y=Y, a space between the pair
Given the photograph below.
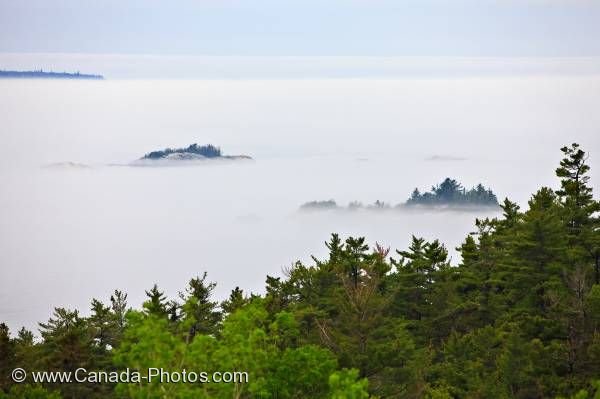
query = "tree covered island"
x=193 y=152
x=451 y=193
x=40 y=74
x=327 y=204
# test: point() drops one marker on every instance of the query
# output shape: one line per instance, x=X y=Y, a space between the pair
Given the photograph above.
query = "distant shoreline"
x=47 y=75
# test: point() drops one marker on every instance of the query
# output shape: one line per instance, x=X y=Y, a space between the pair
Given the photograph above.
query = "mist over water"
x=71 y=233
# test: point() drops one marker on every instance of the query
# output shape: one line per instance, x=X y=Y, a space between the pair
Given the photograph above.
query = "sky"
x=498 y=28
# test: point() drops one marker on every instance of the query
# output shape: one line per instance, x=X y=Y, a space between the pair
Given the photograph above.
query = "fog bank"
x=80 y=230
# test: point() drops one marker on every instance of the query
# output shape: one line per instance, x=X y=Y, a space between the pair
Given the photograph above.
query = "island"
x=319 y=205
x=40 y=74
x=191 y=153
x=448 y=195
x=451 y=193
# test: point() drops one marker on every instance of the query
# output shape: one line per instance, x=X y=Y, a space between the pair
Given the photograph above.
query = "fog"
x=68 y=234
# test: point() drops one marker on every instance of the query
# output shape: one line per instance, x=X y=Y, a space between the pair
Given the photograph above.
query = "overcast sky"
x=306 y=27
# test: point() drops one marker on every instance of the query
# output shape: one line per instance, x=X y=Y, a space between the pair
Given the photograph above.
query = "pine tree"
x=118 y=304
x=156 y=304
x=415 y=276
x=235 y=301
x=580 y=207
x=200 y=314
x=7 y=356
x=101 y=323
x=538 y=247
x=67 y=346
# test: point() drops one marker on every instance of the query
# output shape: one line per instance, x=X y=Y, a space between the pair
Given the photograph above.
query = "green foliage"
x=26 y=391
x=148 y=342
x=345 y=303
x=346 y=385
x=249 y=341
x=594 y=393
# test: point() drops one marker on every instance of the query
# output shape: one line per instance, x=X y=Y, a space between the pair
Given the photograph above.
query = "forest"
x=517 y=317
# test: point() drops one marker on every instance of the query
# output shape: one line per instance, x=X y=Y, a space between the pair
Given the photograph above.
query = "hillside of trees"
x=518 y=317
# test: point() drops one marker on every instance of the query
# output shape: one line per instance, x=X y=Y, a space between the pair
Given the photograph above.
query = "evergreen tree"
x=156 y=304
x=580 y=207
x=8 y=356
x=68 y=345
x=118 y=304
x=200 y=314
x=235 y=301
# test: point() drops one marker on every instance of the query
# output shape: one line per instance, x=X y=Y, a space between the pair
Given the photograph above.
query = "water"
x=68 y=234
